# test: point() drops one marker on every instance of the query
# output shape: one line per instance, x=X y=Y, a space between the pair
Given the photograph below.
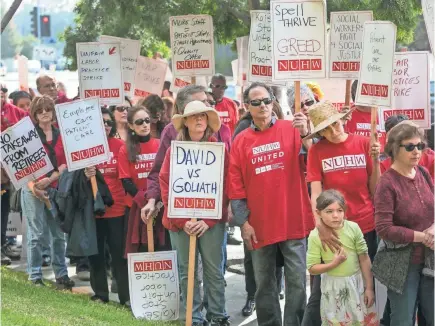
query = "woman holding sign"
x=33 y=200
x=120 y=114
x=197 y=124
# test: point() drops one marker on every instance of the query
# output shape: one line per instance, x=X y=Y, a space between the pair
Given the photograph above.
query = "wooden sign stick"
x=150 y=228
x=190 y=278
x=297 y=96
x=348 y=91
x=373 y=124
x=94 y=187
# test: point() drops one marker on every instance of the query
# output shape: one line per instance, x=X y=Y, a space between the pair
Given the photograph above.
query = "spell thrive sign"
x=196 y=180
x=345 y=43
x=22 y=154
x=83 y=133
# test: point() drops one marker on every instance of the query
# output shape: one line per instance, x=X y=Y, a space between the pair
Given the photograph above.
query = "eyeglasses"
x=266 y=101
x=411 y=147
x=139 y=122
x=108 y=123
x=122 y=108
x=40 y=111
x=211 y=102
x=218 y=86
x=307 y=103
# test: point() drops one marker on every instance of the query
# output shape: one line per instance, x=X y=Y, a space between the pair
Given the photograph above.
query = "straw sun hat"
x=322 y=115
x=196 y=107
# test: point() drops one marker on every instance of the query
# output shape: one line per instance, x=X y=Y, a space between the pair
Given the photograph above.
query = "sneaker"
x=98 y=299
x=233 y=241
x=5 y=260
x=7 y=251
x=38 y=282
x=220 y=321
x=46 y=260
x=64 y=283
x=114 y=286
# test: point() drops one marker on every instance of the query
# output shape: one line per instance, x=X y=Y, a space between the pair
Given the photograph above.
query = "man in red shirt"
x=226 y=107
x=359 y=124
x=269 y=200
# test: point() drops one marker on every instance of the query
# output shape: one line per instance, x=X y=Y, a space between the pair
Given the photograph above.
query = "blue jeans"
x=37 y=215
x=419 y=287
x=266 y=296
x=210 y=248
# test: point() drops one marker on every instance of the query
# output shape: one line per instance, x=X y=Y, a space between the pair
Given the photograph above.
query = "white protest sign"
x=411 y=89
x=298 y=40
x=179 y=82
x=196 y=180
x=376 y=73
x=14 y=227
x=23 y=73
x=242 y=44
x=22 y=154
x=150 y=77
x=192 y=45
x=83 y=133
x=44 y=53
x=429 y=19
x=100 y=72
x=130 y=50
x=154 y=287
x=235 y=69
x=345 y=43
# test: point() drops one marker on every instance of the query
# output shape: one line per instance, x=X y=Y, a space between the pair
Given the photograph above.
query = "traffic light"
x=34 y=21
x=45 y=26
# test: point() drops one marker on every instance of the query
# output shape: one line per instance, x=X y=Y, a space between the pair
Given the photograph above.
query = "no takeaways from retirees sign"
x=83 y=134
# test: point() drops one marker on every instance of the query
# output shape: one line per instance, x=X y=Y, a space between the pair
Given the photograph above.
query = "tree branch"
x=11 y=12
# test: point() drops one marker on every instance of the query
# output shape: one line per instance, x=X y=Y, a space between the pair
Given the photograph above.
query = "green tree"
x=9 y=41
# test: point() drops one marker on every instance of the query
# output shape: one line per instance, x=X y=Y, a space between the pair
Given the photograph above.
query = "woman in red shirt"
x=110 y=227
x=32 y=201
x=198 y=123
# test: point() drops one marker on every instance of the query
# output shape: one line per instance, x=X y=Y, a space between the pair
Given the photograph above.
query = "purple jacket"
x=168 y=135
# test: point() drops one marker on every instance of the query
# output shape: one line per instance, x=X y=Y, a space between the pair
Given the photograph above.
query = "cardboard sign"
x=83 y=134
x=153 y=282
x=192 y=45
x=14 y=227
x=429 y=19
x=22 y=154
x=242 y=44
x=23 y=73
x=345 y=43
x=235 y=69
x=196 y=180
x=298 y=40
x=179 y=82
x=100 y=72
x=411 y=89
x=376 y=73
x=130 y=51
x=150 y=77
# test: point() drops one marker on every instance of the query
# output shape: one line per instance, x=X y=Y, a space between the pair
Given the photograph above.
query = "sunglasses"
x=411 y=147
x=211 y=102
x=40 y=111
x=266 y=101
x=139 y=122
x=307 y=103
x=219 y=86
x=122 y=108
x=108 y=123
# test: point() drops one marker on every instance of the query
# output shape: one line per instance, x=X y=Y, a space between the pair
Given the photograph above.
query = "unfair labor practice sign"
x=196 y=180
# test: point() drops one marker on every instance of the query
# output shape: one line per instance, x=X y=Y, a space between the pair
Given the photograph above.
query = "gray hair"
x=184 y=97
x=305 y=90
x=403 y=131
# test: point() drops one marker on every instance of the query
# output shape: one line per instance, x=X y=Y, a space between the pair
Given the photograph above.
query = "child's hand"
x=340 y=257
x=369 y=297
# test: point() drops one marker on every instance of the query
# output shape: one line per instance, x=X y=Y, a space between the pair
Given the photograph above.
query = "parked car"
x=3 y=69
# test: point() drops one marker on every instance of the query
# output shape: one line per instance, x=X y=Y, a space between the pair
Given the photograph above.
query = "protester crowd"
x=312 y=193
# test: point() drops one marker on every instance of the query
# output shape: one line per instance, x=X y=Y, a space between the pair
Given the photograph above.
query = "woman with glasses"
x=110 y=227
x=404 y=214
x=156 y=107
x=32 y=202
x=120 y=114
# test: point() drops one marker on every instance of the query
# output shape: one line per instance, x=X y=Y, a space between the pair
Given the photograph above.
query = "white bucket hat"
x=196 y=107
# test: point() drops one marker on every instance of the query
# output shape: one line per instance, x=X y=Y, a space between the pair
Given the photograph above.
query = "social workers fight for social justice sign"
x=83 y=133
x=150 y=77
x=429 y=19
x=298 y=40
x=100 y=72
x=192 y=45
x=154 y=285
x=376 y=72
x=23 y=156
x=411 y=89
x=130 y=50
x=196 y=180
x=345 y=43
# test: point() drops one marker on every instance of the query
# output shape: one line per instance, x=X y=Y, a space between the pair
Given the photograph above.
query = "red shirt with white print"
x=109 y=170
x=346 y=167
x=138 y=171
x=227 y=110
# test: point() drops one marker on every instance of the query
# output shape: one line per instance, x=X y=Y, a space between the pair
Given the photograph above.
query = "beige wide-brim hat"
x=324 y=114
x=196 y=107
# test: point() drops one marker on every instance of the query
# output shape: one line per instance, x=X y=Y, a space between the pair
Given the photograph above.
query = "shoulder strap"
x=426 y=176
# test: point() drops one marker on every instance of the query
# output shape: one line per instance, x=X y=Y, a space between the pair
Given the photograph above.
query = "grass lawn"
x=24 y=304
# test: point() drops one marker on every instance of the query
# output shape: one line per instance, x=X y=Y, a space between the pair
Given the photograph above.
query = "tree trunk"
x=10 y=13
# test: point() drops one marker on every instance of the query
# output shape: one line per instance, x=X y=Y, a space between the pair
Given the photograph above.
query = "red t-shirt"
x=426 y=160
x=227 y=110
x=360 y=124
x=138 y=171
x=10 y=115
x=109 y=170
x=346 y=167
x=266 y=169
